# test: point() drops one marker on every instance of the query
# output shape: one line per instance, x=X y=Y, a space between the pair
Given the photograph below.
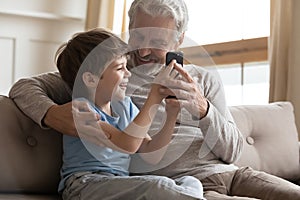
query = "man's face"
x=151 y=38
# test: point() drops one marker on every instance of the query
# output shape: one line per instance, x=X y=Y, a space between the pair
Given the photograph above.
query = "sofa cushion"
x=28 y=197
x=270 y=138
x=30 y=158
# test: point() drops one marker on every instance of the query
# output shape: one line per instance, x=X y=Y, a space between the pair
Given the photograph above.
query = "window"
x=216 y=21
x=235 y=35
x=248 y=84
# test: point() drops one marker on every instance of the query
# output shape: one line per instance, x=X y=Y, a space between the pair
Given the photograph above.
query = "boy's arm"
x=153 y=151
x=130 y=139
x=136 y=131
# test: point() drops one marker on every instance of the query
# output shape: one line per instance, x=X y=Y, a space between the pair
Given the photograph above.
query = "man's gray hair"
x=176 y=9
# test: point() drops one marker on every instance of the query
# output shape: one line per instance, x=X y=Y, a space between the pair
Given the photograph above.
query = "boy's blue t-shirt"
x=80 y=155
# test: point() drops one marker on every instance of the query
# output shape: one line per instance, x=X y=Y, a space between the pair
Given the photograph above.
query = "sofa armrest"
x=30 y=157
x=298 y=181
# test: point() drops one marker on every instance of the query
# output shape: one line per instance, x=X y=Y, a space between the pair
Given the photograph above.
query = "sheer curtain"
x=284 y=53
x=100 y=13
x=111 y=14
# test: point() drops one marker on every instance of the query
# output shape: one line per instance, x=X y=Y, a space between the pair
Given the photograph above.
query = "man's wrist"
x=46 y=121
x=205 y=114
x=207 y=109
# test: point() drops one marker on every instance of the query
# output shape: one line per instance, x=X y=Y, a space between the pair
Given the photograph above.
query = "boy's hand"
x=172 y=107
x=165 y=75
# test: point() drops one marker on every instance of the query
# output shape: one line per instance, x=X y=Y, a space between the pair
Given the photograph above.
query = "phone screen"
x=177 y=55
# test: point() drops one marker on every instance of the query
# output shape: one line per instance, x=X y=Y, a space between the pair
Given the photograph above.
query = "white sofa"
x=31 y=157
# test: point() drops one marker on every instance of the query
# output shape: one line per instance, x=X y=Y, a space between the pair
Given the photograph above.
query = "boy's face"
x=113 y=81
x=151 y=38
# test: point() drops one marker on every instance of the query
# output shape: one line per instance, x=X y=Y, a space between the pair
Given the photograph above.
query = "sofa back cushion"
x=30 y=158
x=270 y=138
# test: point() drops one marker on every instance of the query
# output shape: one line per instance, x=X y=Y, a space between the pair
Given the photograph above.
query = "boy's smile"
x=112 y=84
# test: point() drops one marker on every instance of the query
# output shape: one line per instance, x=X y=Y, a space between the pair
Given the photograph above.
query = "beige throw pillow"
x=270 y=138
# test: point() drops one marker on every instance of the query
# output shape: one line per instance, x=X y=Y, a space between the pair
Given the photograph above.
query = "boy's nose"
x=127 y=73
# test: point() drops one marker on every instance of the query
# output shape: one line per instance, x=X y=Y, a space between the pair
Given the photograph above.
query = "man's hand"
x=76 y=119
x=88 y=125
x=187 y=93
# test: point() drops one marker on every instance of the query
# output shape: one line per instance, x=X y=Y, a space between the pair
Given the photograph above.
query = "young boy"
x=93 y=64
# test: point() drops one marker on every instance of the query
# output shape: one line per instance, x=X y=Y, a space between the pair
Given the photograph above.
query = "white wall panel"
x=31 y=32
x=42 y=55
x=67 y=8
x=6 y=64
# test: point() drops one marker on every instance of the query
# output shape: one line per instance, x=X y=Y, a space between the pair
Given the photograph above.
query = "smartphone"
x=178 y=56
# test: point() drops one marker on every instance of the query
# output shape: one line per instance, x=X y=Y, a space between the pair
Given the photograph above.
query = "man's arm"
x=221 y=134
x=44 y=99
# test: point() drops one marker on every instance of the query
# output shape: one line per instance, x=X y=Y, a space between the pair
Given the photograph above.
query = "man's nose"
x=144 y=52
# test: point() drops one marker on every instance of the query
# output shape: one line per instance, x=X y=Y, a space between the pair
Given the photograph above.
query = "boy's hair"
x=176 y=9
x=89 y=51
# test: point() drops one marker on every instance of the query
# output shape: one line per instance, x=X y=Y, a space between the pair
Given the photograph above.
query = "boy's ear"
x=90 y=80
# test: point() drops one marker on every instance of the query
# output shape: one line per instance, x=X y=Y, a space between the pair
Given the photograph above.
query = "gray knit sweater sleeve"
x=35 y=95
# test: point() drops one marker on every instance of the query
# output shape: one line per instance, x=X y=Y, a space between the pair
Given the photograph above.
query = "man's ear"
x=181 y=38
x=180 y=41
x=90 y=80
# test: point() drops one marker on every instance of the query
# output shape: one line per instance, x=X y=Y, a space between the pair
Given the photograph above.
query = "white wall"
x=31 y=31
